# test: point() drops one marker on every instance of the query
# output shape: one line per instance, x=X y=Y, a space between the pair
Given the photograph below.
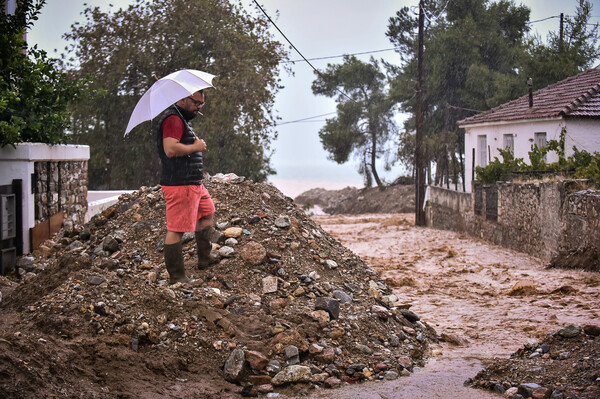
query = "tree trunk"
x=446 y=162
x=419 y=161
x=461 y=162
x=373 y=159
x=455 y=170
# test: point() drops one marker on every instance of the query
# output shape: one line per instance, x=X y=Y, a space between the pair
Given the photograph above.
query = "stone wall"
x=581 y=216
x=60 y=185
x=449 y=210
x=539 y=218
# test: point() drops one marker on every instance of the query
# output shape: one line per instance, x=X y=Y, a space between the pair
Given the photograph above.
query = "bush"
x=500 y=171
x=34 y=91
x=581 y=164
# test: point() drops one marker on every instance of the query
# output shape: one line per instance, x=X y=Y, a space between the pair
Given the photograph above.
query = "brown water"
x=466 y=288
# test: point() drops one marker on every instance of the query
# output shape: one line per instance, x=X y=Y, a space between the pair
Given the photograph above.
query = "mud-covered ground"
x=286 y=310
x=93 y=316
x=488 y=303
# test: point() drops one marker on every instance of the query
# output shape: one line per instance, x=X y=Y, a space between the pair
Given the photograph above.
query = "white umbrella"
x=167 y=91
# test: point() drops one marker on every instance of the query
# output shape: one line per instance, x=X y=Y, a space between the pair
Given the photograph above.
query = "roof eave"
x=520 y=121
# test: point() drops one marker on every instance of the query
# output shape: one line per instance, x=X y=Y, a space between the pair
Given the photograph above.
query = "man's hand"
x=201 y=143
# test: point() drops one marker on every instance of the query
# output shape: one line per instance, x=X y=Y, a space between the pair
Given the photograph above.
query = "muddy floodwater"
x=487 y=300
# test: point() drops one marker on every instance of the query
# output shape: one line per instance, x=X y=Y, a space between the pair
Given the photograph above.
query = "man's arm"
x=173 y=148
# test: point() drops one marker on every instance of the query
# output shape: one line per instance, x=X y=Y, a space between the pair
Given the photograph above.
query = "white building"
x=573 y=103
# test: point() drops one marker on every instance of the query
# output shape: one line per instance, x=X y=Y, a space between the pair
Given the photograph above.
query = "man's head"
x=193 y=103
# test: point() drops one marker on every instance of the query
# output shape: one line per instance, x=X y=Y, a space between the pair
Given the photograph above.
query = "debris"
x=109 y=300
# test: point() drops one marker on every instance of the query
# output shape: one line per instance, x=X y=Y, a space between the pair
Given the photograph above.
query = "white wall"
x=101 y=200
x=17 y=163
x=584 y=134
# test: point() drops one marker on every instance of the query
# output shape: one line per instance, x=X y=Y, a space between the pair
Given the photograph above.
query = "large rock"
x=569 y=331
x=292 y=374
x=253 y=253
x=110 y=244
x=292 y=355
x=410 y=315
x=234 y=232
x=331 y=305
x=592 y=330
x=342 y=296
x=256 y=360
x=527 y=389
x=234 y=366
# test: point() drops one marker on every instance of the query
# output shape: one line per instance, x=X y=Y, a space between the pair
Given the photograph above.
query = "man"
x=189 y=205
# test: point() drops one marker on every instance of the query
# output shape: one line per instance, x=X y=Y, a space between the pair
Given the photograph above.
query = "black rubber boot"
x=204 y=247
x=174 y=263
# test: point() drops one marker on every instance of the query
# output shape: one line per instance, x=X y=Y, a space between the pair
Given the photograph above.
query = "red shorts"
x=186 y=205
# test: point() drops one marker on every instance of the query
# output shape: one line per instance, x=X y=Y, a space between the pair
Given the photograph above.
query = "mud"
x=487 y=301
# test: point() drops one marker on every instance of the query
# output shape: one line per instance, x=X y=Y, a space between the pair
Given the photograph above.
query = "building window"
x=539 y=139
x=509 y=143
x=482 y=159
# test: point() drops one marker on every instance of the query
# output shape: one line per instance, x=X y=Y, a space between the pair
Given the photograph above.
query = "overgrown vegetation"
x=581 y=165
x=34 y=91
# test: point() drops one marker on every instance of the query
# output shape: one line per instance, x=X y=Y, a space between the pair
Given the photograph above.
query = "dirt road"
x=488 y=299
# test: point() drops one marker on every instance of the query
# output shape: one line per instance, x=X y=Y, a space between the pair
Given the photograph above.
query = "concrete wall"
x=449 y=209
x=101 y=200
x=540 y=218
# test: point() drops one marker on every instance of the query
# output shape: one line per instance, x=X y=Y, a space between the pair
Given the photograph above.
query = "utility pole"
x=561 y=34
x=419 y=164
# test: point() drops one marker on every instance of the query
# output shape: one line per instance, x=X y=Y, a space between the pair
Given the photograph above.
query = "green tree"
x=364 y=123
x=34 y=90
x=564 y=54
x=125 y=48
x=472 y=49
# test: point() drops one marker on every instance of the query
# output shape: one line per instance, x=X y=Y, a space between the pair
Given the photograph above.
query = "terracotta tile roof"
x=577 y=96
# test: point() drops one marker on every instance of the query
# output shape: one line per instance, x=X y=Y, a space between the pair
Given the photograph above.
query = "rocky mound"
x=395 y=198
x=286 y=307
x=566 y=365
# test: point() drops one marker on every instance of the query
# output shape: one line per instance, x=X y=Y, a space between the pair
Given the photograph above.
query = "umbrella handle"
x=155 y=77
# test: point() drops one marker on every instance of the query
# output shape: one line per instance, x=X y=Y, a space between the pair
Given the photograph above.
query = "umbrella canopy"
x=167 y=91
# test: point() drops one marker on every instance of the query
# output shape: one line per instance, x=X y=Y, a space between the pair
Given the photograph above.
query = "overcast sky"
x=318 y=28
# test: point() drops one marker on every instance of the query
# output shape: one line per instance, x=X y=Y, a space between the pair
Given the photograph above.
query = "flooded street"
x=486 y=300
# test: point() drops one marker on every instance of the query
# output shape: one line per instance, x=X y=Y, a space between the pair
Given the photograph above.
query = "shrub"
x=581 y=164
x=34 y=91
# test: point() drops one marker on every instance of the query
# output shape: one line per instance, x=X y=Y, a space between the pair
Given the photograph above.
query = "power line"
x=342 y=55
x=544 y=19
x=316 y=120
x=298 y=51
x=556 y=16
x=306 y=119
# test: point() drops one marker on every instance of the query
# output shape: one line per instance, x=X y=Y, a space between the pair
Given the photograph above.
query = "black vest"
x=179 y=171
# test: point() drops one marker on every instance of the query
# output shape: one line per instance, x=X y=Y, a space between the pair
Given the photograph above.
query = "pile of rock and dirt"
x=287 y=307
x=565 y=365
x=395 y=198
